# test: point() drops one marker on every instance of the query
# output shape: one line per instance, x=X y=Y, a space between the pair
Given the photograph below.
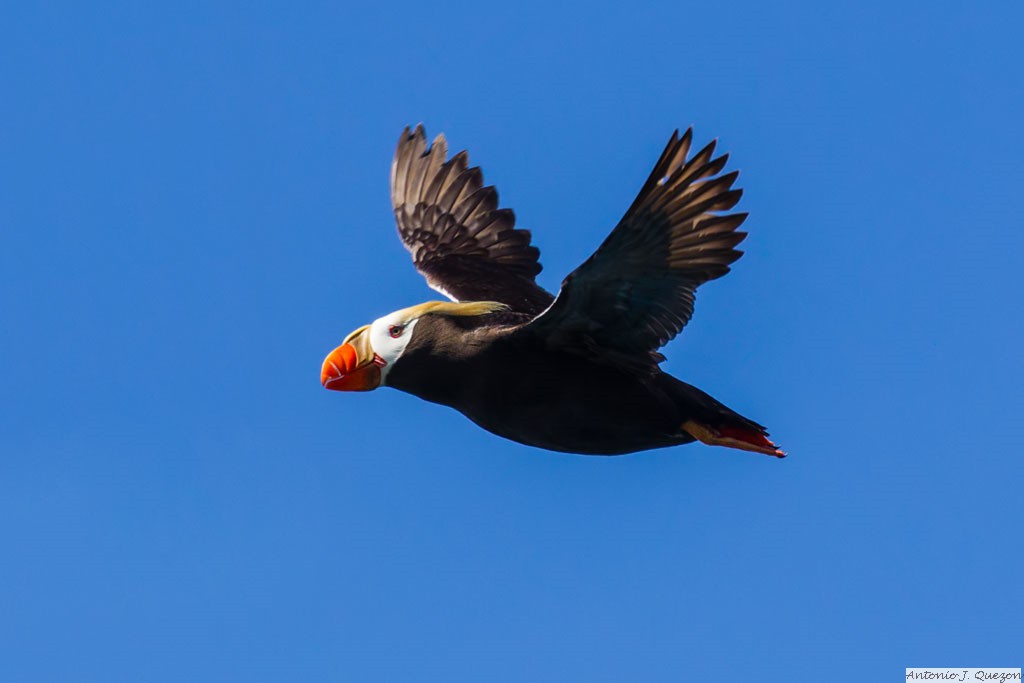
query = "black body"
x=514 y=386
x=575 y=372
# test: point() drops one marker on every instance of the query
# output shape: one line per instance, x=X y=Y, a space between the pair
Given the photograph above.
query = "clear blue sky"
x=194 y=210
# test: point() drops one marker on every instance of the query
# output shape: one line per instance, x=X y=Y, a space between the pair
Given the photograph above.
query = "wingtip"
x=411 y=135
x=440 y=144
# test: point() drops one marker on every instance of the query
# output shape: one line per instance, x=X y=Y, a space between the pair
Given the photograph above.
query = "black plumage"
x=636 y=292
x=577 y=372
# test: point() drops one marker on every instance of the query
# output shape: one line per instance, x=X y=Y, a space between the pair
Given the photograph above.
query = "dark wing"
x=636 y=292
x=461 y=242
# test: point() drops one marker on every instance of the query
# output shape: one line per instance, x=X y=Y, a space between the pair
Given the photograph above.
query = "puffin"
x=577 y=372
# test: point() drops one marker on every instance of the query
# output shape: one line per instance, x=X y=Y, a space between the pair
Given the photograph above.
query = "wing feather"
x=637 y=291
x=460 y=240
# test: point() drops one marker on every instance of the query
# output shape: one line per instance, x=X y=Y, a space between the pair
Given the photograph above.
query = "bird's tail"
x=711 y=422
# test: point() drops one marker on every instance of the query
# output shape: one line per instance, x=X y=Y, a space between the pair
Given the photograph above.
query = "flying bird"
x=577 y=372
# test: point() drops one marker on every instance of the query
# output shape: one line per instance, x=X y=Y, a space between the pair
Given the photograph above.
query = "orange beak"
x=353 y=366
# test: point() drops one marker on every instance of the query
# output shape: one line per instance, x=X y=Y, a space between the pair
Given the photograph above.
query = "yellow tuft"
x=456 y=308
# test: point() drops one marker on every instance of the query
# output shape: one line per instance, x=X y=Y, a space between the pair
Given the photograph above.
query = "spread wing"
x=636 y=292
x=461 y=242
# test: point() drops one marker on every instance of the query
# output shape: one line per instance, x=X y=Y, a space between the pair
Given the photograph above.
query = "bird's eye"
x=396 y=331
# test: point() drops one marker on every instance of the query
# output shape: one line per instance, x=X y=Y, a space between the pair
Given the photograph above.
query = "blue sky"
x=194 y=210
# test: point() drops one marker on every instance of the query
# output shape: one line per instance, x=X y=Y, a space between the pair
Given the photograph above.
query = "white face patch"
x=389 y=336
